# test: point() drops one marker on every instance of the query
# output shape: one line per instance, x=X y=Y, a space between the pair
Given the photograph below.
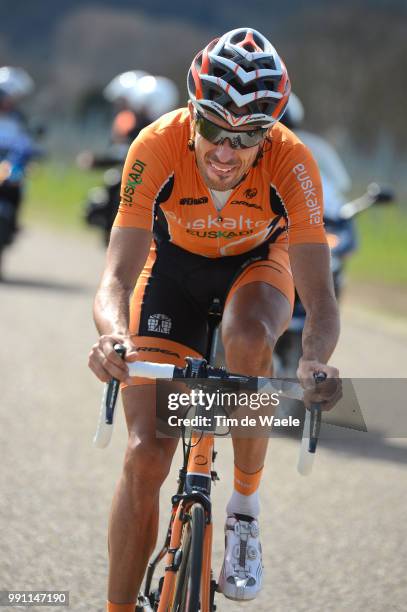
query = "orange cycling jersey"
x=280 y=198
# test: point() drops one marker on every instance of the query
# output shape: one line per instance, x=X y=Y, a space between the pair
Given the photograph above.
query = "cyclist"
x=218 y=200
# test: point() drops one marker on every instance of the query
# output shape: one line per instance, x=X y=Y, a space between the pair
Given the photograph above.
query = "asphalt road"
x=335 y=541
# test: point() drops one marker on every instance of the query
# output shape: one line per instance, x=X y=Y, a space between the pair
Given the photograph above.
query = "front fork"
x=193 y=488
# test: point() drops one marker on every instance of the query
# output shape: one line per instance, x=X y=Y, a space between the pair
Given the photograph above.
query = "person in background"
x=336 y=182
x=15 y=85
x=129 y=118
x=17 y=148
x=138 y=99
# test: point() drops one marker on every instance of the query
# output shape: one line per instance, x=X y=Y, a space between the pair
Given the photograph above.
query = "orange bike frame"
x=199 y=465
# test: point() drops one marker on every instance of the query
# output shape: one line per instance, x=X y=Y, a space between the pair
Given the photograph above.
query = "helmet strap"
x=191 y=139
x=259 y=156
x=261 y=152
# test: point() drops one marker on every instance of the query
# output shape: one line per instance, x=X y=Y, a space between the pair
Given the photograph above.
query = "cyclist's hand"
x=105 y=363
x=326 y=393
x=307 y=369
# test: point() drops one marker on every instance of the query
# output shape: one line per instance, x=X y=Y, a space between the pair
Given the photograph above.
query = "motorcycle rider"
x=129 y=119
x=126 y=123
x=139 y=99
x=336 y=182
x=16 y=148
x=140 y=104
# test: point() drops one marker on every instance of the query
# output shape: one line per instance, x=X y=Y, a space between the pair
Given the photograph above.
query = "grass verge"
x=56 y=194
x=382 y=253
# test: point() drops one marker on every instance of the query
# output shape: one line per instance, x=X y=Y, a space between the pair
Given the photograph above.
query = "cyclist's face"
x=221 y=166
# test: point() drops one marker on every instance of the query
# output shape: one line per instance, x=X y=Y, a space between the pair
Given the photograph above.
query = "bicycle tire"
x=188 y=585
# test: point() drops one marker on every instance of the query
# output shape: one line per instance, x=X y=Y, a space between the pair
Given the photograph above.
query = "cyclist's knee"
x=147 y=460
x=252 y=343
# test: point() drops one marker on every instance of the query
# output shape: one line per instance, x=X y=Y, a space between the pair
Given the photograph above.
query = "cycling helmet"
x=294 y=113
x=155 y=95
x=240 y=70
x=122 y=84
x=15 y=82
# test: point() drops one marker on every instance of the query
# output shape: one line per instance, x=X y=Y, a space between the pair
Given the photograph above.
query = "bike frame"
x=195 y=478
x=196 y=484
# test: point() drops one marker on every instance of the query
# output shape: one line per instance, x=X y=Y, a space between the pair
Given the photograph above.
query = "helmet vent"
x=240 y=70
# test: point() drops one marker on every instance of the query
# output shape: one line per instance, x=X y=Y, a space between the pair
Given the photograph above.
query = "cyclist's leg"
x=254 y=319
x=257 y=311
x=134 y=515
x=163 y=321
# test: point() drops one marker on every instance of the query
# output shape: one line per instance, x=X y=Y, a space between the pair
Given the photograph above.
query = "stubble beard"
x=219 y=184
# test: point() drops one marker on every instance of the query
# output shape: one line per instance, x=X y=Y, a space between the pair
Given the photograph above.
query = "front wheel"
x=188 y=584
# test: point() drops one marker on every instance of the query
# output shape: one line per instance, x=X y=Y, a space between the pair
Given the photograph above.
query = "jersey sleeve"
x=146 y=170
x=300 y=189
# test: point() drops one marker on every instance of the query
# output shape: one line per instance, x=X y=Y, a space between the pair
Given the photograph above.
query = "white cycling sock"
x=244 y=504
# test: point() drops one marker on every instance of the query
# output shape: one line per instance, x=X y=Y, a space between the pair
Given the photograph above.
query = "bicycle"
x=188 y=584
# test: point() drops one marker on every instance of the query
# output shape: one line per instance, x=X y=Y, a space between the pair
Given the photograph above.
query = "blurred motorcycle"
x=15 y=155
x=145 y=98
x=17 y=149
x=103 y=201
x=342 y=240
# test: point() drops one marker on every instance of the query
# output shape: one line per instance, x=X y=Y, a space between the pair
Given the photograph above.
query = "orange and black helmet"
x=240 y=70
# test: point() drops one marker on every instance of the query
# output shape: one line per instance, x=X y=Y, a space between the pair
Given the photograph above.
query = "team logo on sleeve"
x=134 y=178
x=311 y=199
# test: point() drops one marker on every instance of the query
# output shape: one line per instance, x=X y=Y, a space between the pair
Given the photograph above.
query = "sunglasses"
x=217 y=135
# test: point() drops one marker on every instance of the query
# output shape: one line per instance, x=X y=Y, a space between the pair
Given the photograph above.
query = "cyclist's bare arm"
x=126 y=256
x=310 y=264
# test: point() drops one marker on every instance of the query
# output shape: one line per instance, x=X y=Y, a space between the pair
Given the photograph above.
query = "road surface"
x=333 y=542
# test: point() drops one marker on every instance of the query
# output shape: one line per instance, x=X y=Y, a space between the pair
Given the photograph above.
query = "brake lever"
x=310 y=435
x=113 y=389
x=106 y=414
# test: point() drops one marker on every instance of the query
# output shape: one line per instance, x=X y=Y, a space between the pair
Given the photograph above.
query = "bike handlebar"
x=198 y=368
x=145 y=369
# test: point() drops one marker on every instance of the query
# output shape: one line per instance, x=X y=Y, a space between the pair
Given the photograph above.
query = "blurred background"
x=347 y=62
x=332 y=542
